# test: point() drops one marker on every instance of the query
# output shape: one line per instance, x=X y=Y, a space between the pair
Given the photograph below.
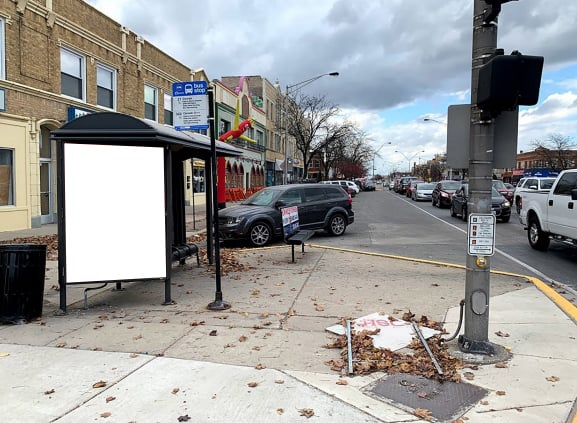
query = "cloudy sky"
x=400 y=61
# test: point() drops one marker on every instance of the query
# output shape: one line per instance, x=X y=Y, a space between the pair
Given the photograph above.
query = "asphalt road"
x=390 y=223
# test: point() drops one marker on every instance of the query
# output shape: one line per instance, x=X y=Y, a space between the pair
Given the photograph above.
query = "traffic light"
x=506 y=82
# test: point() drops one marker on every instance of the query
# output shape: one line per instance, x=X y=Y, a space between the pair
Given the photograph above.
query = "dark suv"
x=258 y=218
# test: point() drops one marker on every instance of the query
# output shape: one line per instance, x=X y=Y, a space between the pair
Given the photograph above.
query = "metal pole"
x=475 y=339
x=218 y=303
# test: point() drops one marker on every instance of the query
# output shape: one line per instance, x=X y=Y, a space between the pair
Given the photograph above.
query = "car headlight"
x=232 y=220
x=506 y=204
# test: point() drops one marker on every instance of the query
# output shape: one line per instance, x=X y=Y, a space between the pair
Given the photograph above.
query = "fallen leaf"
x=108 y=399
x=291 y=312
x=106 y=414
x=184 y=418
x=307 y=412
x=260 y=366
x=242 y=339
x=484 y=402
x=61 y=345
x=469 y=375
x=51 y=391
x=175 y=391
x=133 y=355
x=502 y=334
x=501 y=393
x=342 y=382
x=164 y=321
x=279 y=381
x=279 y=411
x=212 y=332
x=319 y=308
x=422 y=394
x=552 y=379
x=137 y=337
x=422 y=413
x=501 y=365
x=195 y=323
x=252 y=384
x=99 y=384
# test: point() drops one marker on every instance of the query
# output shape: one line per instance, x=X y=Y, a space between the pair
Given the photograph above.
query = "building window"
x=168 y=119
x=259 y=137
x=150 y=102
x=106 y=86
x=223 y=127
x=72 y=74
x=2 y=50
x=6 y=177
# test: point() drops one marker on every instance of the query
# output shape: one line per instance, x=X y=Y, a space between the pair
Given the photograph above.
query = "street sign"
x=190 y=105
x=481 y=234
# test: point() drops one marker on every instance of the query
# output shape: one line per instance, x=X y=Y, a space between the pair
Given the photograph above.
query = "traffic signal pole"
x=482 y=127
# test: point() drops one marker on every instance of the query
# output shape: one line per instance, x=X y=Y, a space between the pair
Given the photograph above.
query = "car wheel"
x=464 y=214
x=538 y=239
x=260 y=234
x=434 y=203
x=453 y=213
x=337 y=225
x=518 y=205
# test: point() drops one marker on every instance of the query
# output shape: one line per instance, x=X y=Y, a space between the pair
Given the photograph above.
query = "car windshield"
x=451 y=185
x=499 y=185
x=425 y=186
x=264 y=197
x=496 y=194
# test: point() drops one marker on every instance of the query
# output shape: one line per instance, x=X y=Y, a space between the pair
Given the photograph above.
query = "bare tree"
x=557 y=152
x=313 y=123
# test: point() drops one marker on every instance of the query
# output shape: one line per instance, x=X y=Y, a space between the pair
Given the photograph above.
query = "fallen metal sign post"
x=424 y=342
x=349 y=347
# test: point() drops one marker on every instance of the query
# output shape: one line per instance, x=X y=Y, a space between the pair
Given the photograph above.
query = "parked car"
x=443 y=192
x=503 y=190
x=500 y=206
x=370 y=186
x=423 y=191
x=533 y=183
x=353 y=188
x=258 y=218
x=404 y=182
x=391 y=184
x=411 y=187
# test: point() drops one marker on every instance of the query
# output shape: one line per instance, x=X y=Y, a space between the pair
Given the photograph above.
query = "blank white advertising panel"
x=114 y=212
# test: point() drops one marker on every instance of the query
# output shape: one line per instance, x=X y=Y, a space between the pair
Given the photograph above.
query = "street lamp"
x=291 y=89
x=450 y=176
x=377 y=152
x=409 y=158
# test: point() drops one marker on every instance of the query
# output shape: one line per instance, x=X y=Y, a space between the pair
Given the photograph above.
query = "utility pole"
x=482 y=127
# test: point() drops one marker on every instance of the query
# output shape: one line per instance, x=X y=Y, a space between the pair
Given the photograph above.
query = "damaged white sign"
x=393 y=334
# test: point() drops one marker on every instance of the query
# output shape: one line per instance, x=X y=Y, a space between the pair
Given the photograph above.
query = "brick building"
x=60 y=59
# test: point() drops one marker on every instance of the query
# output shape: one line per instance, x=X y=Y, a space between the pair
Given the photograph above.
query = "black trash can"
x=22 y=272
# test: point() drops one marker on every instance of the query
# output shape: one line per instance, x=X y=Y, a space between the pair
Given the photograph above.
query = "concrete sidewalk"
x=264 y=359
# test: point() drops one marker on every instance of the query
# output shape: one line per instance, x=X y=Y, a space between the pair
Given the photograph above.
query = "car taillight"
x=350 y=199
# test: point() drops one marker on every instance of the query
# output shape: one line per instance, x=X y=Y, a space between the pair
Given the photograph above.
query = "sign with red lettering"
x=393 y=334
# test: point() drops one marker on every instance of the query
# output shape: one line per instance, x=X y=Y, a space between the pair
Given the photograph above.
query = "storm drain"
x=445 y=401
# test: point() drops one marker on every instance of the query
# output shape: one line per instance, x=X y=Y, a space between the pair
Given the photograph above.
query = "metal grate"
x=445 y=401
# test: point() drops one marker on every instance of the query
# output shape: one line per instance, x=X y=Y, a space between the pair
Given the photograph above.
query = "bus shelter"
x=121 y=208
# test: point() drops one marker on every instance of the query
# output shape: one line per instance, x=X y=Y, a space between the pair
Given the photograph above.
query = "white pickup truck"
x=551 y=214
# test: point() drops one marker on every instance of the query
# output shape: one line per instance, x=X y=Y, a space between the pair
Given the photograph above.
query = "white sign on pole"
x=481 y=234
x=190 y=105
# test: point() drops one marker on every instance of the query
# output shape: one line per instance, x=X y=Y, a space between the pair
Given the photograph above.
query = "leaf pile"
x=51 y=242
x=229 y=262
x=369 y=359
